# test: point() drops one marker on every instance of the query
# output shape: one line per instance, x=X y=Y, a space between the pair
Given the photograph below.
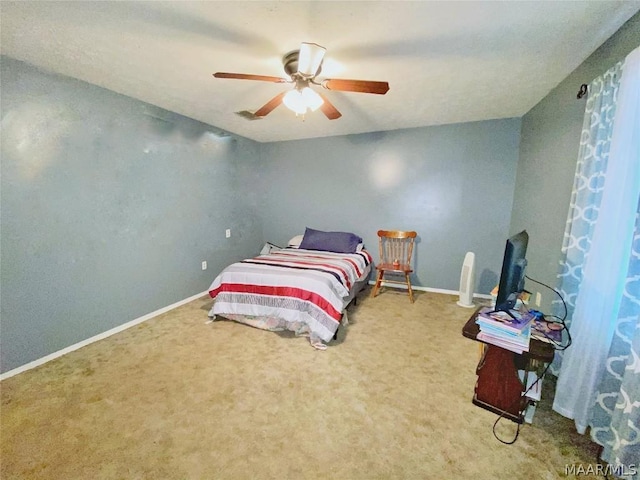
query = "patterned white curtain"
x=615 y=418
x=588 y=185
x=599 y=375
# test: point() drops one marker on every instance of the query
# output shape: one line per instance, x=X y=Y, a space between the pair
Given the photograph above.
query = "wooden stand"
x=498 y=388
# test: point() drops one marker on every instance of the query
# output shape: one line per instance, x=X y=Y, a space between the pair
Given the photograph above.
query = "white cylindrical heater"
x=467 y=280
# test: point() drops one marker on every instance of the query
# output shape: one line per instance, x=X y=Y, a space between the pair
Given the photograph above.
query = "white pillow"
x=295 y=241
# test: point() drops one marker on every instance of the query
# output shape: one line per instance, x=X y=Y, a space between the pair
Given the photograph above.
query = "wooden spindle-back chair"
x=396 y=248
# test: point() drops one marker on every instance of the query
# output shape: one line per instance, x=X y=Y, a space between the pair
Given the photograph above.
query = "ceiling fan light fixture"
x=311 y=99
x=294 y=101
x=310 y=59
x=299 y=100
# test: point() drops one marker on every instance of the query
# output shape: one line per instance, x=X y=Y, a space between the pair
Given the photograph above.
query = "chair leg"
x=377 y=285
x=409 y=287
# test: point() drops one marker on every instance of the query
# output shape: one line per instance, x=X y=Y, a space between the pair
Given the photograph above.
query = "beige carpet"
x=175 y=398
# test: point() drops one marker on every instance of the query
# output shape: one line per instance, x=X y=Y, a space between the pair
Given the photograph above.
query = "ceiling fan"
x=303 y=66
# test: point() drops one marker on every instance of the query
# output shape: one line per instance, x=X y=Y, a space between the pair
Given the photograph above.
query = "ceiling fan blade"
x=362 y=86
x=309 y=58
x=268 y=107
x=328 y=109
x=247 y=76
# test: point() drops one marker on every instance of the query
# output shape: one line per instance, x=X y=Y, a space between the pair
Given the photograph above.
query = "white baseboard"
x=100 y=336
x=429 y=289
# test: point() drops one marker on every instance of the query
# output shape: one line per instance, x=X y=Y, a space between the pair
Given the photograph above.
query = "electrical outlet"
x=228 y=232
x=204 y=265
x=538 y=299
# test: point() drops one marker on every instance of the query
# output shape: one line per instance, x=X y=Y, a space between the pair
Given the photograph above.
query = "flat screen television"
x=514 y=263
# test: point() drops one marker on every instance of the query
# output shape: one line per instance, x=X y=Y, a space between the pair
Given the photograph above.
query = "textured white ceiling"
x=446 y=62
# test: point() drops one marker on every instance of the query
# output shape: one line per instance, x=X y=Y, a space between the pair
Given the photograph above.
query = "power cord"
x=502 y=415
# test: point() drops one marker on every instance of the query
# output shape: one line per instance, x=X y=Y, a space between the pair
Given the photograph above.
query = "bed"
x=305 y=287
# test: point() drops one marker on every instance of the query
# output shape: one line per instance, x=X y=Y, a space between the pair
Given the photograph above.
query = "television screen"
x=512 y=273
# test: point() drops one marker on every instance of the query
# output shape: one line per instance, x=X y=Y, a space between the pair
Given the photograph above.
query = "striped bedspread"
x=297 y=285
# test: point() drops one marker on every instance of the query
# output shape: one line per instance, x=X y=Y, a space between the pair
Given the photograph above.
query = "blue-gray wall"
x=548 y=155
x=453 y=184
x=109 y=206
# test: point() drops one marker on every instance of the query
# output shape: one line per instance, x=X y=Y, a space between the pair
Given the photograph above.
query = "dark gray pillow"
x=339 y=242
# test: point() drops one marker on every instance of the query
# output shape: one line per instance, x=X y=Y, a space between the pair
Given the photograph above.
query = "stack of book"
x=504 y=330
